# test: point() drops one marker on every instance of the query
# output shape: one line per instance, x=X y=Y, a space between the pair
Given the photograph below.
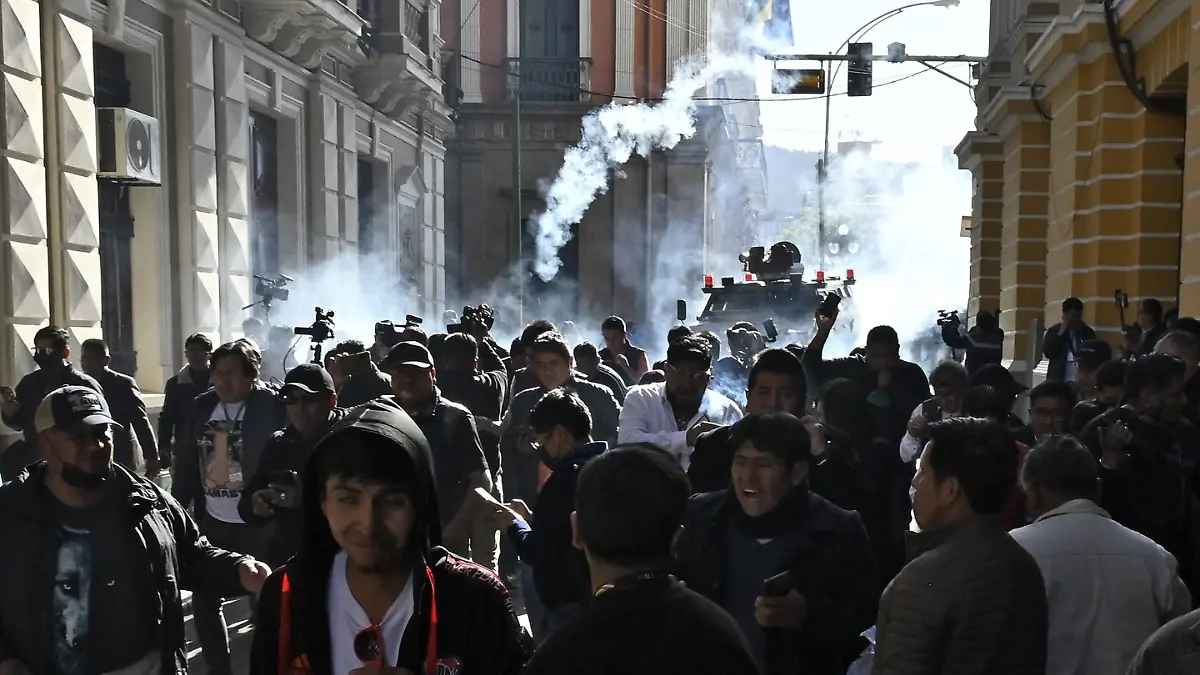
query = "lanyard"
x=652 y=577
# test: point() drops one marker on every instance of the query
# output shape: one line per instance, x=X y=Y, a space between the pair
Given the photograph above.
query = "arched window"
x=264 y=194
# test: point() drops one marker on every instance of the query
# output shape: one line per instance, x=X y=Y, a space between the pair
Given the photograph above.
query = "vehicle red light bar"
x=708 y=280
x=749 y=276
x=850 y=275
x=820 y=275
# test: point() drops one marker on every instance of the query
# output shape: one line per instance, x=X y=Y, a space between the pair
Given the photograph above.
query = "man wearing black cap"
x=103 y=554
x=274 y=492
x=457 y=451
x=371 y=590
x=1091 y=355
x=1007 y=390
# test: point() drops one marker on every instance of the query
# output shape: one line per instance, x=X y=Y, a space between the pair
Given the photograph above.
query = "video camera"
x=320 y=331
x=948 y=317
x=270 y=289
x=482 y=318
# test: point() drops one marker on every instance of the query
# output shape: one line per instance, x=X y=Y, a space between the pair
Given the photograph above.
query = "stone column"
x=1115 y=218
x=347 y=176
x=24 y=255
x=233 y=187
x=75 y=192
x=986 y=164
x=195 y=172
x=1026 y=143
x=324 y=178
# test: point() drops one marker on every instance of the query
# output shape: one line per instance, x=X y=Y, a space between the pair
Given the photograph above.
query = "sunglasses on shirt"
x=368 y=646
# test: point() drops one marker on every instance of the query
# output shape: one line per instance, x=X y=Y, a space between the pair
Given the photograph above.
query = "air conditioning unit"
x=130 y=146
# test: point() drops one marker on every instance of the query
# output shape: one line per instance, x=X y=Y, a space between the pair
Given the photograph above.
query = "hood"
x=386 y=420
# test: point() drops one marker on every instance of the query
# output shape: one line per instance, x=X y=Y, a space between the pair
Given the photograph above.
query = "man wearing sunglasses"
x=51 y=351
x=274 y=492
x=371 y=590
x=673 y=414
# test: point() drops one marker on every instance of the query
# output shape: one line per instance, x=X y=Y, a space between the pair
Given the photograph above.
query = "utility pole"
x=822 y=171
x=518 y=210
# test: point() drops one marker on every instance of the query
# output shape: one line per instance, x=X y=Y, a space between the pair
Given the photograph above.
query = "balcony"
x=549 y=80
x=305 y=30
x=401 y=71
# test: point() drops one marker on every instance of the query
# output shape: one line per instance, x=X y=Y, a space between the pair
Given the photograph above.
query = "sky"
x=913 y=119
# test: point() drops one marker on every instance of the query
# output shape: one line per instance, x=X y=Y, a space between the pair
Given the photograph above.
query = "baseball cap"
x=72 y=408
x=1093 y=353
x=310 y=378
x=412 y=354
x=997 y=377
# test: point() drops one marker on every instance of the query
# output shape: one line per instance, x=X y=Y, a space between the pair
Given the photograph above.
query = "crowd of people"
x=439 y=504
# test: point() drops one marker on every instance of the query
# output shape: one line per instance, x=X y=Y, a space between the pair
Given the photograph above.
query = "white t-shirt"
x=221 y=461
x=347 y=619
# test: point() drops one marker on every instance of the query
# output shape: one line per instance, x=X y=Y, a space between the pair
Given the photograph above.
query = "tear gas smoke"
x=350 y=286
x=901 y=236
x=610 y=137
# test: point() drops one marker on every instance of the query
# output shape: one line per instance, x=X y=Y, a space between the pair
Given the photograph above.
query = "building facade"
x=1085 y=174
x=158 y=155
x=564 y=60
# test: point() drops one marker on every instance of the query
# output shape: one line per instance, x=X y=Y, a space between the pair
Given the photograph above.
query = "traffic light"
x=858 y=78
x=798 y=81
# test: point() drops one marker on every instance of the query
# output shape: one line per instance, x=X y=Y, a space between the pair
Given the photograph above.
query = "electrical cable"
x=724 y=99
x=1126 y=59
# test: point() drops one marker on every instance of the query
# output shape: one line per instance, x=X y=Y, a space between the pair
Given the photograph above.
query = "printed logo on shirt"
x=71 y=603
x=449 y=665
x=221 y=458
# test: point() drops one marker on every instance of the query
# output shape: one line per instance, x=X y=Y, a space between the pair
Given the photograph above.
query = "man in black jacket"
x=562 y=427
x=776 y=384
x=367 y=383
x=984 y=342
x=770 y=526
x=51 y=351
x=180 y=391
x=275 y=492
x=371 y=588
x=136 y=448
x=103 y=555
x=629 y=504
x=1061 y=343
x=458 y=459
x=231 y=425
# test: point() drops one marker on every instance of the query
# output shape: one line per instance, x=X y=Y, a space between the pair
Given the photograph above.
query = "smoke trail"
x=610 y=137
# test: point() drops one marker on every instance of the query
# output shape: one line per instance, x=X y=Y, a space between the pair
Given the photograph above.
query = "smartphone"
x=829 y=304
x=779 y=585
x=283 y=478
x=353 y=364
x=487 y=497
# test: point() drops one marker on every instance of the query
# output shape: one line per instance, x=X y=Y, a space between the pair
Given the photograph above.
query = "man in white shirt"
x=673 y=414
x=1108 y=588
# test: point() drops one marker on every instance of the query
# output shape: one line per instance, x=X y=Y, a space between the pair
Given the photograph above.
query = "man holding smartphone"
x=274 y=492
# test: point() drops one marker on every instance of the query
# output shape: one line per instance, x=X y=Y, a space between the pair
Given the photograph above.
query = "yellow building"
x=1080 y=189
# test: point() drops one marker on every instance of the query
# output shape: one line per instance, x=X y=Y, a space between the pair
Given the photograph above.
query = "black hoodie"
x=473 y=623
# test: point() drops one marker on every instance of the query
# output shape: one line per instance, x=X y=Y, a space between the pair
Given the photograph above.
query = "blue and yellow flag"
x=773 y=20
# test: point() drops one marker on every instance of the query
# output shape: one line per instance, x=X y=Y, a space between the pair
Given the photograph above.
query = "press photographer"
x=478 y=322
x=731 y=372
x=1148 y=454
x=983 y=343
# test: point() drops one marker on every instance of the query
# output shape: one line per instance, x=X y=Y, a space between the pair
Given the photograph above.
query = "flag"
x=773 y=19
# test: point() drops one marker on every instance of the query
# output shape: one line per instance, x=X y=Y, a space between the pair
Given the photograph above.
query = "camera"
x=948 y=317
x=474 y=320
x=321 y=328
x=270 y=289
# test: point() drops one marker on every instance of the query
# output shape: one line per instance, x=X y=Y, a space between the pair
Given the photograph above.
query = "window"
x=372 y=239
x=264 y=195
x=116 y=225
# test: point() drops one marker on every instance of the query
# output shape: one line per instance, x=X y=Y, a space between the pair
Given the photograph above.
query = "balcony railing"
x=416 y=25
x=549 y=80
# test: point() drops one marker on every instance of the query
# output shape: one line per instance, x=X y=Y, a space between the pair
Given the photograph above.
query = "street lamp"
x=823 y=165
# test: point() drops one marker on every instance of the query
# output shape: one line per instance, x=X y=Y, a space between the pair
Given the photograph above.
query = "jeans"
x=211 y=628
x=533 y=604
